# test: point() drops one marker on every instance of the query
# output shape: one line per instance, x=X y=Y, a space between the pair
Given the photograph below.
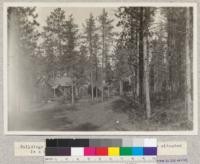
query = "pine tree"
x=54 y=40
x=188 y=38
x=91 y=39
x=106 y=37
x=81 y=66
x=121 y=67
x=135 y=22
x=69 y=57
x=175 y=58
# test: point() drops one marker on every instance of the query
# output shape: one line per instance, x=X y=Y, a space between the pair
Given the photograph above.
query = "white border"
x=101 y=4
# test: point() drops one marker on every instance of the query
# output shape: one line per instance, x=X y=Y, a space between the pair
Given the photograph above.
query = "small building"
x=63 y=86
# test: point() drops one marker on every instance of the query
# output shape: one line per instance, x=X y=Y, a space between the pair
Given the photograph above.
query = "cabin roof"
x=61 y=81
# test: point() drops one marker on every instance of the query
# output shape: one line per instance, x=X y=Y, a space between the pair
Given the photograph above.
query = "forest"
x=134 y=67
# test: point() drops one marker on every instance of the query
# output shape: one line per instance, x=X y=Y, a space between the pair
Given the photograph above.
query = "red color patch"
x=101 y=151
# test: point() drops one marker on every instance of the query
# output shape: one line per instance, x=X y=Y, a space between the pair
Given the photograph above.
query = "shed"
x=63 y=85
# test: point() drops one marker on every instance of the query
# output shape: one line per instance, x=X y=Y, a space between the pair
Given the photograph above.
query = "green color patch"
x=124 y=151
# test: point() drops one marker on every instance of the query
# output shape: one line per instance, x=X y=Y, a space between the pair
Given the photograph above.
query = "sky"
x=79 y=14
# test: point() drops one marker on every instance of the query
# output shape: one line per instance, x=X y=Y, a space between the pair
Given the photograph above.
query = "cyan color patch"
x=138 y=151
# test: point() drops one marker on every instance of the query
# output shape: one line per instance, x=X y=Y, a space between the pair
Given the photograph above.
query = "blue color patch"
x=138 y=151
x=150 y=150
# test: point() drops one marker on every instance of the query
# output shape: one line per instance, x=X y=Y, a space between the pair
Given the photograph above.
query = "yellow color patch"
x=113 y=151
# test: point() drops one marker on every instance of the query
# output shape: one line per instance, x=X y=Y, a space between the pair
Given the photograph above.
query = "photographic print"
x=100 y=68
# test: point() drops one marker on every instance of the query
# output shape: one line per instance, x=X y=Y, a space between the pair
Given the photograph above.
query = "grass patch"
x=132 y=108
x=164 y=117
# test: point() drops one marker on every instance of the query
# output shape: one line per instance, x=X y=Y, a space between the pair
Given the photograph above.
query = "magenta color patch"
x=89 y=151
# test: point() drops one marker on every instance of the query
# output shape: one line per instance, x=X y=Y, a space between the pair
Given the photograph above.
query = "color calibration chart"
x=101 y=150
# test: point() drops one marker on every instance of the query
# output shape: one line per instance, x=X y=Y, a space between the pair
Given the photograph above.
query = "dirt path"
x=84 y=116
x=98 y=116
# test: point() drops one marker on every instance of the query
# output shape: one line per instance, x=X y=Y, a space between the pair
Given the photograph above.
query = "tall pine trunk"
x=72 y=93
x=92 y=86
x=146 y=77
x=102 y=84
x=141 y=55
x=188 y=97
x=102 y=69
x=96 y=77
x=96 y=93
x=120 y=87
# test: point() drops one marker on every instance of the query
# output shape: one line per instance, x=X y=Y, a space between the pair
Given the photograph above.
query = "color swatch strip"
x=100 y=147
x=101 y=151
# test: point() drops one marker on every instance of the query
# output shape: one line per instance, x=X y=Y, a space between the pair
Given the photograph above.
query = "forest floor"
x=114 y=114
